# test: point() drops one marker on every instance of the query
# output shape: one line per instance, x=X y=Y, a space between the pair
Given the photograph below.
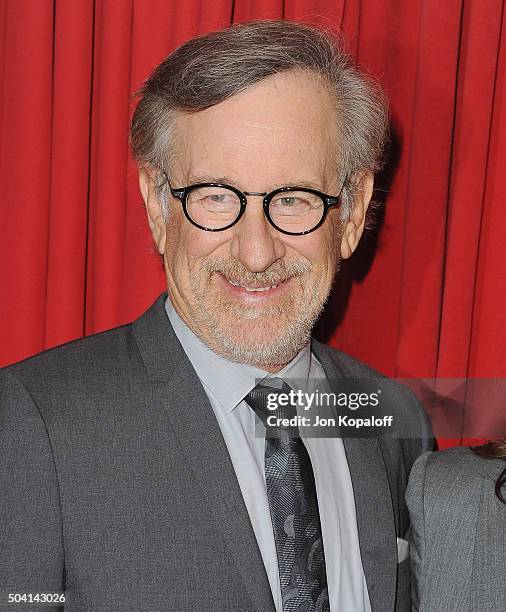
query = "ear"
x=355 y=225
x=156 y=221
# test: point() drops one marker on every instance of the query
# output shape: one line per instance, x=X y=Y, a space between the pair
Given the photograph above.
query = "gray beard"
x=286 y=346
x=299 y=316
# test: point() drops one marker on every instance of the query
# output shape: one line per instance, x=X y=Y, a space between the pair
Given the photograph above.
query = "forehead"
x=273 y=131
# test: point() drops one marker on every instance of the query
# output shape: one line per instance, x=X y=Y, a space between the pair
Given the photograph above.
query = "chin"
x=260 y=342
x=257 y=333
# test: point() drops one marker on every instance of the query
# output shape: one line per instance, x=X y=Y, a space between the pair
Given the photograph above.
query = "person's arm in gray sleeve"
x=31 y=541
x=415 y=502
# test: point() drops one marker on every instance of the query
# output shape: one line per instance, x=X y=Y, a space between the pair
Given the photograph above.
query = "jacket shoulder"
x=94 y=358
x=455 y=469
x=398 y=399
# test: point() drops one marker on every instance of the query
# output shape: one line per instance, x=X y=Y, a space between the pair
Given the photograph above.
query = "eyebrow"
x=225 y=180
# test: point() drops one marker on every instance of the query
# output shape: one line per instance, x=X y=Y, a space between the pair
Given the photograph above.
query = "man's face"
x=251 y=293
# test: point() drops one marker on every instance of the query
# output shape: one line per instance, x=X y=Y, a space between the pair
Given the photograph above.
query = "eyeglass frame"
x=181 y=194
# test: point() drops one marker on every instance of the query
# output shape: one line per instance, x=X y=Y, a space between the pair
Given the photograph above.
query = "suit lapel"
x=373 y=505
x=177 y=388
x=375 y=521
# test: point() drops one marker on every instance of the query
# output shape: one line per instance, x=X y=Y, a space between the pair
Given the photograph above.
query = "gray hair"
x=214 y=67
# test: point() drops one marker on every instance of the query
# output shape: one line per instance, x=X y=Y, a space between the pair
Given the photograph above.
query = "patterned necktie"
x=293 y=507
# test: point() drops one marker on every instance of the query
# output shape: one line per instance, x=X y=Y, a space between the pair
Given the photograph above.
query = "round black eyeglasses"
x=214 y=207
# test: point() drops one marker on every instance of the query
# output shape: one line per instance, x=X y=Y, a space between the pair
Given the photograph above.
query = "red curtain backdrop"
x=425 y=297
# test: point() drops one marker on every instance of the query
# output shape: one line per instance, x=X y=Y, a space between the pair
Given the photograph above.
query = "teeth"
x=259 y=288
x=237 y=284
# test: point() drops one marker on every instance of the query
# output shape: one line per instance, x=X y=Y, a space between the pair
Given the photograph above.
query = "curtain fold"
x=424 y=296
x=25 y=154
x=67 y=199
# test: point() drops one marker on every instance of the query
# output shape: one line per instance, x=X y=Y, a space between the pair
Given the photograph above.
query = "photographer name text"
x=319 y=421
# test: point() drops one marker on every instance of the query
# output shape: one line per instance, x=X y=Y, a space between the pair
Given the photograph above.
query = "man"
x=133 y=476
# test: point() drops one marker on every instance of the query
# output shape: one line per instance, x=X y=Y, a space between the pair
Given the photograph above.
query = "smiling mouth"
x=252 y=289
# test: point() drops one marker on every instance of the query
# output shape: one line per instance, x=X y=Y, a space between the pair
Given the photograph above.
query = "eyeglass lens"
x=219 y=207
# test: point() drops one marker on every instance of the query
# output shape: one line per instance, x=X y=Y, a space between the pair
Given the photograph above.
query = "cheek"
x=321 y=248
x=186 y=245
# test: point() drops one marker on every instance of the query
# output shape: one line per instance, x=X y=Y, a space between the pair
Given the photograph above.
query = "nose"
x=256 y=244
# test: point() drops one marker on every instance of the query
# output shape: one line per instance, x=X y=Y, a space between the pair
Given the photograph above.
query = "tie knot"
x=278 y=403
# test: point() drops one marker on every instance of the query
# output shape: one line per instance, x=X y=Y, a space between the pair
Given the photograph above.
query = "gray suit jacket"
x=117 y=486
x=458 y=534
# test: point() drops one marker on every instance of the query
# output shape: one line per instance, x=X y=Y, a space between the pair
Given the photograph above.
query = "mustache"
x=237 y=272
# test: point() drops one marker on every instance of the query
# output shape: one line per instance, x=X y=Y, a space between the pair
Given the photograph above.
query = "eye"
x=214 y=198
x=290 y=201
x=220 y=198
x=296 y=202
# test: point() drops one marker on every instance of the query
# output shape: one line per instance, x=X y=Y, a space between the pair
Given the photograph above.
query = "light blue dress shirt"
x=226 y=384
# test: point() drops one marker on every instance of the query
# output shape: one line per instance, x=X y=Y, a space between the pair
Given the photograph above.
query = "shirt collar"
x=230 y=381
